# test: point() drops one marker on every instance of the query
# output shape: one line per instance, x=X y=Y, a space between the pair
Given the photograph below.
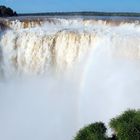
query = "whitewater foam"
x=35 y=50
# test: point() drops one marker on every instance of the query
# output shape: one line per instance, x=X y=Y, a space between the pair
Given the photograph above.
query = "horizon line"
x=79 y=12
x=82 y=13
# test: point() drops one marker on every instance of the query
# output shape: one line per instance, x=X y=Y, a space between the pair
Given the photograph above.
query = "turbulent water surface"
x=59 y=74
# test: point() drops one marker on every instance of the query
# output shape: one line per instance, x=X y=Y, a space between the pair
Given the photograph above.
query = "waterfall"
x=61 y=43
x=58 y=74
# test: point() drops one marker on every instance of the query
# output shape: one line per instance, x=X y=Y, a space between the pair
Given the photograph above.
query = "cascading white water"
x=87 y=70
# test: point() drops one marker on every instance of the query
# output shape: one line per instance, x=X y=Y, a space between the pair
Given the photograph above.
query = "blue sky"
x=24 y=6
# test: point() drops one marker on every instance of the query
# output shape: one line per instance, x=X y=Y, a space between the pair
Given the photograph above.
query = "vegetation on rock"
x=95 y=131
x=6 y=12
x=125 y=127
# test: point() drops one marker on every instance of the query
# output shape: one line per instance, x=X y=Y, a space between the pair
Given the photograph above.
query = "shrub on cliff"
x=95 y=131
x=127 y=125
x=6 y=11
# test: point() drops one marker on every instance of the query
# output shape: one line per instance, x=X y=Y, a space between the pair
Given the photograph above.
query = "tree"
x=6 y=11
x=95 y=131
x=127 y=125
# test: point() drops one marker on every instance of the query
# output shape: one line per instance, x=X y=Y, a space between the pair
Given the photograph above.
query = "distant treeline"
x=6 y=11
x=83 y=14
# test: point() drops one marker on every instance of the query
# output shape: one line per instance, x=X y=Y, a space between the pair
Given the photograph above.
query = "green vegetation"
x=120 y=14
x=6 y=12
x=95 y=131
x=125 y=127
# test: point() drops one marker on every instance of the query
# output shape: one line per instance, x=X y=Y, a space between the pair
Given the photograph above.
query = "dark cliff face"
x=6 y=12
